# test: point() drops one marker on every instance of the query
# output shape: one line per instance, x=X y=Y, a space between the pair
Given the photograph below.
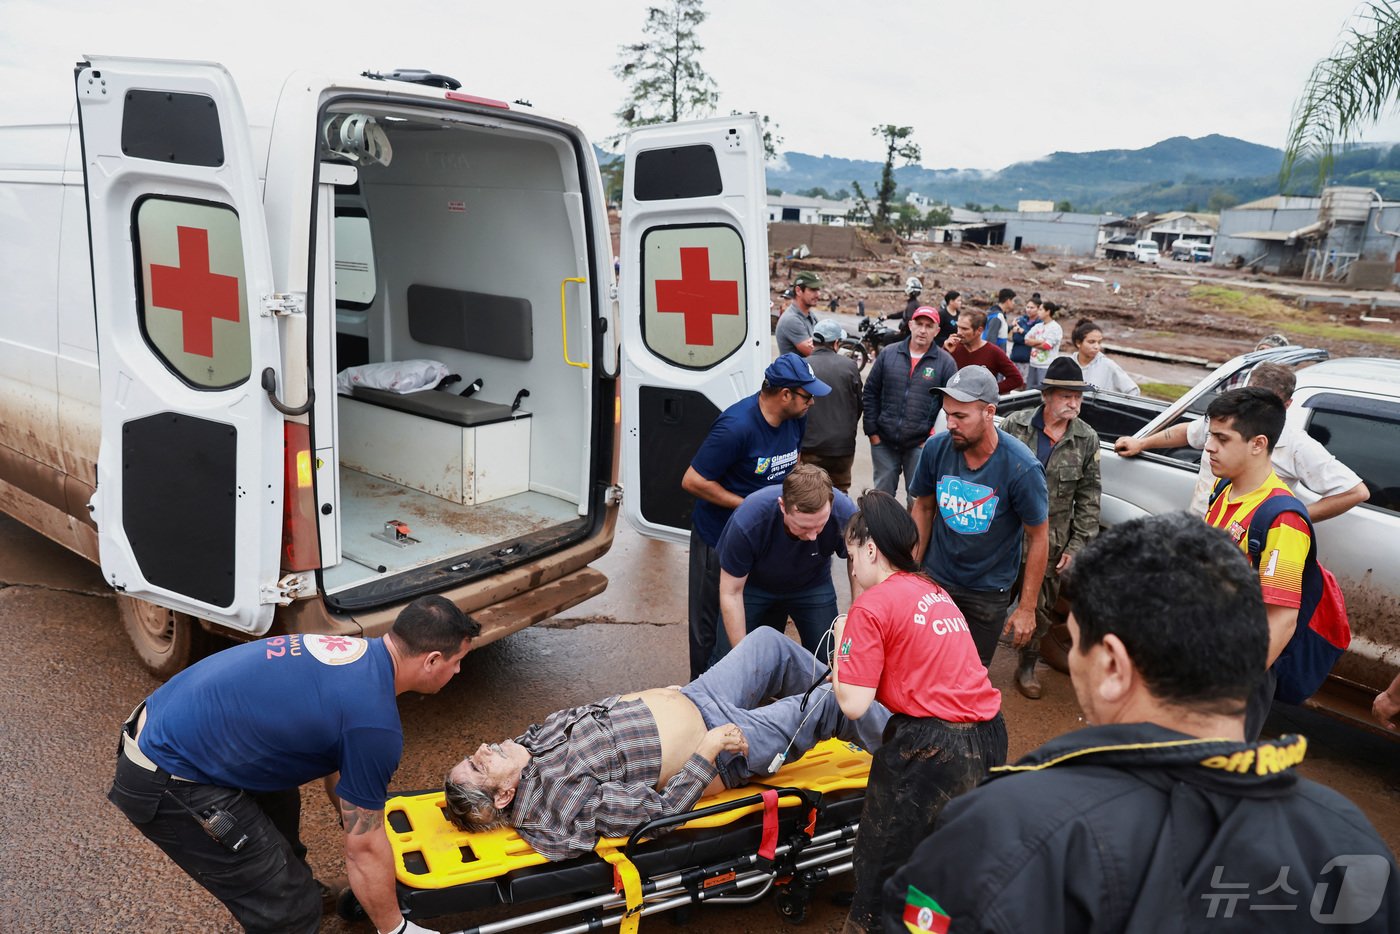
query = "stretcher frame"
x=783 y=836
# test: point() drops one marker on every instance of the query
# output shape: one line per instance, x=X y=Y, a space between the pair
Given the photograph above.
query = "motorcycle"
x=875 y=335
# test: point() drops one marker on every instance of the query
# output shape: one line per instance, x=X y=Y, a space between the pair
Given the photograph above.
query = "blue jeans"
x=766 y=665
x=888 y=461
x=812 y=611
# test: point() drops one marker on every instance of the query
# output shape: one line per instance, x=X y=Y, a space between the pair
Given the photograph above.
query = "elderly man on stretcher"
x=604 y=769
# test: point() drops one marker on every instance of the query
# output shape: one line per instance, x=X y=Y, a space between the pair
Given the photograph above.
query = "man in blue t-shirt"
x=775 y=558
x=978 y=491
x=211 y=763
x=754 y=443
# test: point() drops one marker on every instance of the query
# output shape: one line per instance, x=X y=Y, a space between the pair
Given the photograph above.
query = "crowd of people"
x=1168 y=811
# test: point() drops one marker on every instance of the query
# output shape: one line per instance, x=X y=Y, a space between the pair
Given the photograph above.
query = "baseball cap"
x=828 y=332
x=1065 y=373
x=972 y=384
x=924 y=311
x=790 y=371
x=809 y=280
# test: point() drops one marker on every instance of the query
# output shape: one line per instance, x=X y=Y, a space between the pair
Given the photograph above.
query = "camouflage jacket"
x=1072 y=478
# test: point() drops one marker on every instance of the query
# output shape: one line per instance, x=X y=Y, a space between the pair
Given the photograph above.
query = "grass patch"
x=1282 y=316
x=1167 y=392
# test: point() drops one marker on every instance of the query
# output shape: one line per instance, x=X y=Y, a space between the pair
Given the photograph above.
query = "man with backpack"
x=1244 y=425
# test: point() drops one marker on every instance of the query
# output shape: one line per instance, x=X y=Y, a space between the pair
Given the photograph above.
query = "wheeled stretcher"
x=786 y=834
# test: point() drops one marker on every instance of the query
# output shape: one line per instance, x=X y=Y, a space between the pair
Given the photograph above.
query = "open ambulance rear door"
x=189 y=474
x=694 y=285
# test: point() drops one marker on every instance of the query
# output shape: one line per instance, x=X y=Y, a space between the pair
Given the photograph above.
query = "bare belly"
x=679 y=723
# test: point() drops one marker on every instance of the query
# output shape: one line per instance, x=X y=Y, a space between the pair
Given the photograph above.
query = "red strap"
x=768 y=847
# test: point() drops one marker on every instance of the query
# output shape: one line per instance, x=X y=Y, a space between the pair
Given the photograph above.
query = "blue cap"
x=790 y=371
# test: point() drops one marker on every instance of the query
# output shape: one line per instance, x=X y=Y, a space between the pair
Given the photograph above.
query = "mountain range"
x=1168 y=175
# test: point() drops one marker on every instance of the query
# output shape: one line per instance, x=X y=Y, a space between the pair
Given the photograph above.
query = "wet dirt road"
x=70 y=862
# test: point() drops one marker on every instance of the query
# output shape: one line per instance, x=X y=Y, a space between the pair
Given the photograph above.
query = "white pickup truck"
x=1352 y=406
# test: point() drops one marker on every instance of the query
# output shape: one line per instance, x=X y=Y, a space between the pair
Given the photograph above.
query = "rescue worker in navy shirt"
x=209 y=766
x=754 y=443
x=1159 y=816
x=775 y=558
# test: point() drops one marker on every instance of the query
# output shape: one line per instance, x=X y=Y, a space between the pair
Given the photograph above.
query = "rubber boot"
x=1026 y=681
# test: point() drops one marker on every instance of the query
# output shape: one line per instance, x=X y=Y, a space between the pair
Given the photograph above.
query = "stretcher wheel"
x=348 y=907
x=792 y=905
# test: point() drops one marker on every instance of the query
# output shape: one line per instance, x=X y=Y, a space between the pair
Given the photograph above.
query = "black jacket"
x=898 y=405
x=1134 y=827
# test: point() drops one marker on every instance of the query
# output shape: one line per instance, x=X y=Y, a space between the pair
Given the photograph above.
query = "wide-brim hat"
x=1065 y=373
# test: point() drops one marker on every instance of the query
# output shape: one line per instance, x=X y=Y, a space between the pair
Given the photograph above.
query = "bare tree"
x=1352 y=88
x=665 y=81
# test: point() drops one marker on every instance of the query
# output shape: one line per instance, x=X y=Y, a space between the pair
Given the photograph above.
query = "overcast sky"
x=983 y=82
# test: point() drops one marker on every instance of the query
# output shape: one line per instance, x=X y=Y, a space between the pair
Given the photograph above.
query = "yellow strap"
x=626 y=877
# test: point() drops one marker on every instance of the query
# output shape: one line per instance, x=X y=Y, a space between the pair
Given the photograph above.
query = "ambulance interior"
x=452 y=245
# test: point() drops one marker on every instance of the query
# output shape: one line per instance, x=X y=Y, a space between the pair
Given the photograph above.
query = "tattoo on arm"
x=357 y=820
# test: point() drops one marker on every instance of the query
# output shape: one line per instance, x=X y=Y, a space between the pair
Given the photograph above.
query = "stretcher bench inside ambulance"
x=791 y=832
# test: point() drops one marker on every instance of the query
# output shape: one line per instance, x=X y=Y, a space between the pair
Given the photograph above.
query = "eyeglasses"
x=803 y=395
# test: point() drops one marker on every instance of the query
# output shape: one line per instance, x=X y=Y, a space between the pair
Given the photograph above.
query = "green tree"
x=611 y=171
x=1349 y=90
x=664 y=79
x=898 y=145
x=771 y=138
x=1065 y=206
x=1219 y=200
x=937 y=217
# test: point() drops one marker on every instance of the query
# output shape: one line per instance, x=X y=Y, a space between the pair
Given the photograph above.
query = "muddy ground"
x=1159 y=308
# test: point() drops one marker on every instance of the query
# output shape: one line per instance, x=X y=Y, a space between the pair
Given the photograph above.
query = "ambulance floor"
x=441 y=528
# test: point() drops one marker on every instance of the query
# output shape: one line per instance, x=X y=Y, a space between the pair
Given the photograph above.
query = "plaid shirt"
x=593 y=773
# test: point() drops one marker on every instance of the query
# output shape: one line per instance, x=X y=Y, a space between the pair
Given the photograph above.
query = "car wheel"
x=165 y=641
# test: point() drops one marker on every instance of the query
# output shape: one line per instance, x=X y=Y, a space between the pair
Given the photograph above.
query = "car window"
x=1364 y=434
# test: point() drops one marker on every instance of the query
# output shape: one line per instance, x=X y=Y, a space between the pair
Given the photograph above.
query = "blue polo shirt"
x=979 y=514
x=280 y=712
x=743 y=453
x=756 y=544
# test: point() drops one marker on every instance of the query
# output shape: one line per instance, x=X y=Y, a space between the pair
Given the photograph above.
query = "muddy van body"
x=207 y=327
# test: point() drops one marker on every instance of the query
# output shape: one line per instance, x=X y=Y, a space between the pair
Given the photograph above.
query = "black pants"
x=922 y=765
x=266 y=884
x=703 y=604
x=985 y=612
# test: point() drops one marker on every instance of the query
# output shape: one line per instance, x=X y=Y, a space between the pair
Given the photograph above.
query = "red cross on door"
x=696 y=296
x=198 y=294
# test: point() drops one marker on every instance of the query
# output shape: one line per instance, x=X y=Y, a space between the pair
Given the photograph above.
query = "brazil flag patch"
x=922 y=913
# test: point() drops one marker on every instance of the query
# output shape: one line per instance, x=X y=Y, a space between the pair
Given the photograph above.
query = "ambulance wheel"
x=166 y=642
x=792 y=905
x=348 y=907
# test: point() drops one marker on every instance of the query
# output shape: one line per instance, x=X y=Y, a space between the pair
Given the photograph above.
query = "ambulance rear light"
x=301 y=549
x=473 y=99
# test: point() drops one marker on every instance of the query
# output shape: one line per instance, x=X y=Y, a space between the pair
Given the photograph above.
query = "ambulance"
x=288 y=378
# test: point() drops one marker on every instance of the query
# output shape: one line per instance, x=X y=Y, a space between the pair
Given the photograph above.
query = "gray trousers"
x=767 y=664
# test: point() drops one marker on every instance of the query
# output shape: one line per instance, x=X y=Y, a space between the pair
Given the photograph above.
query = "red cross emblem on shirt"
x=198 y=294
x=696 y=296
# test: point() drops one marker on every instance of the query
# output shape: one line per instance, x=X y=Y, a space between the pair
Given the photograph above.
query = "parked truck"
x=1352 y=406
x=181 y=288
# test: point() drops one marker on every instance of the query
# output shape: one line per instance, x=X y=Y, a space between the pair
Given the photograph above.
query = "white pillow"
x=399 y=376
